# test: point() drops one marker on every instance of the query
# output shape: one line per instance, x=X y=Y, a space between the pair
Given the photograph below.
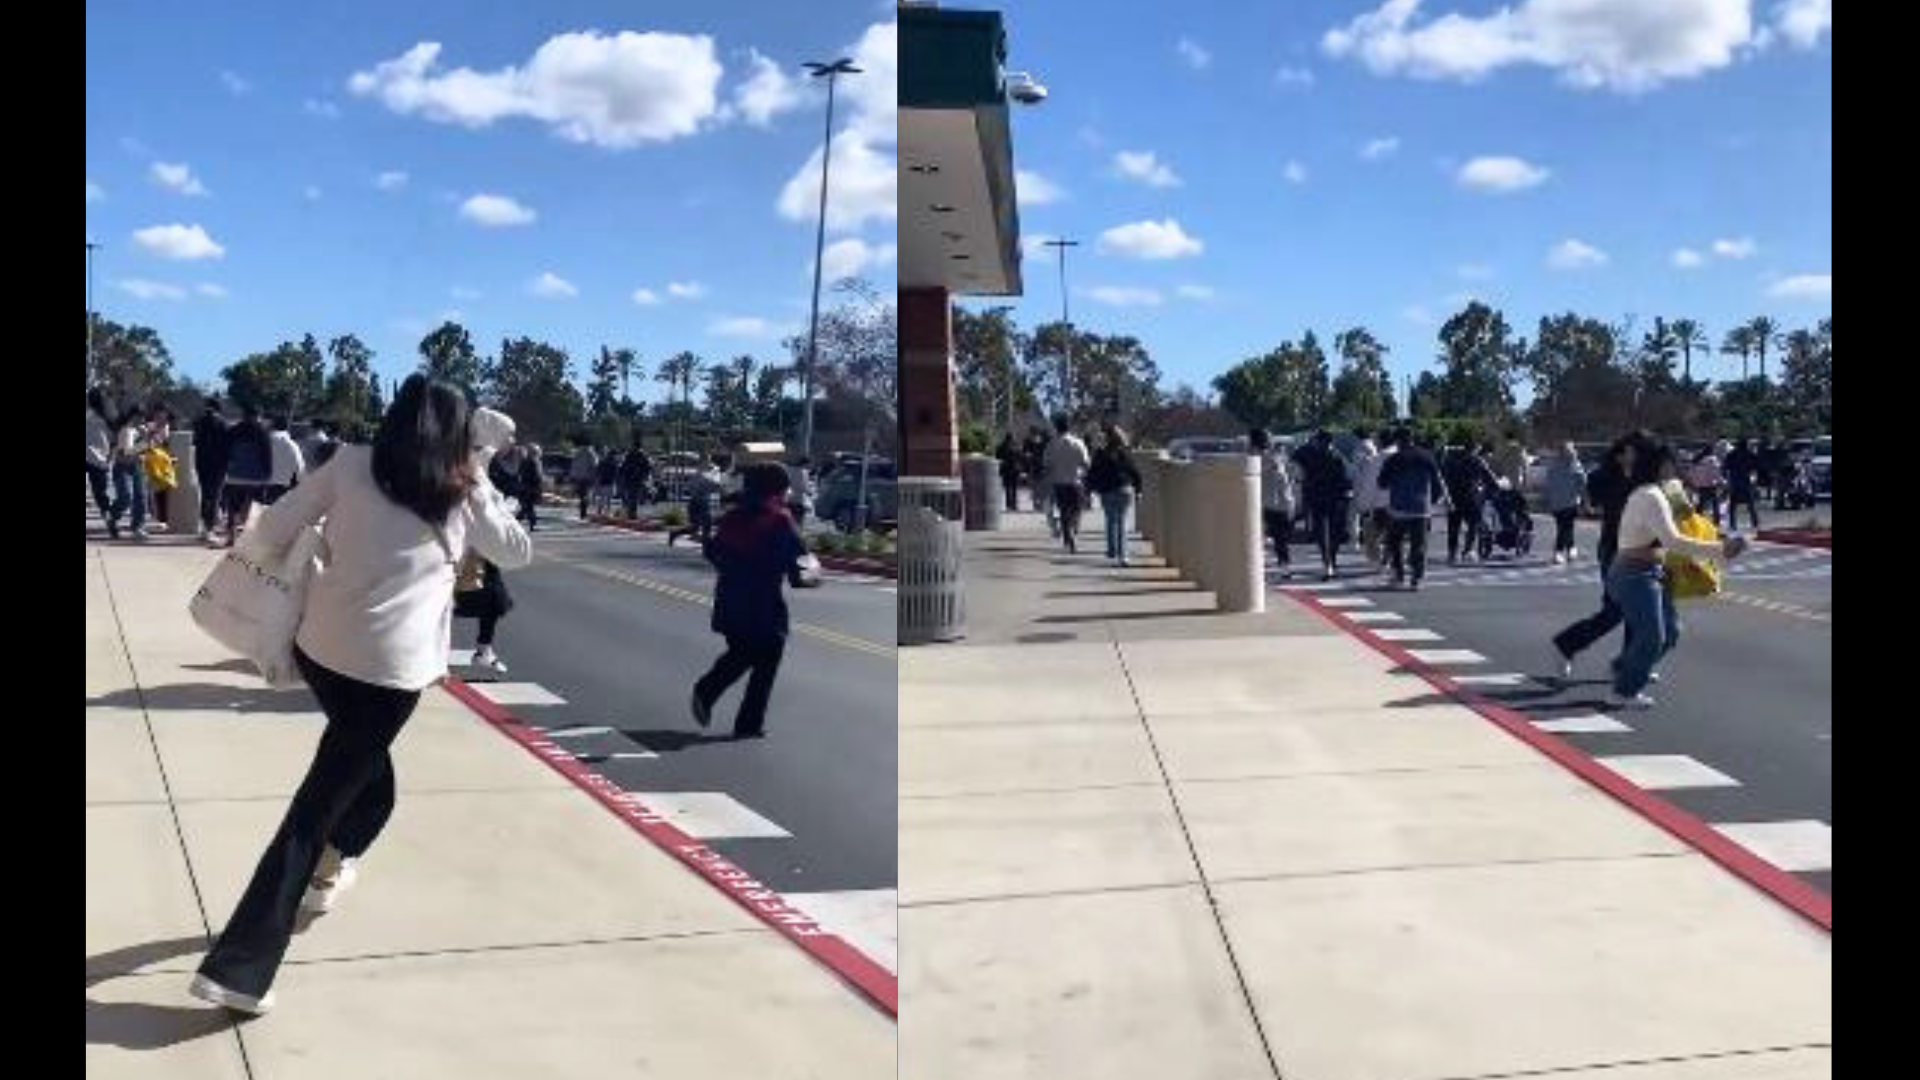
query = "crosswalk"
x=1763 y=562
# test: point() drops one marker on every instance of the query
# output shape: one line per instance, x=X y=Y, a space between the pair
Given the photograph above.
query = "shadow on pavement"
x=1172 y=586
x=1129 y=616
x=209 y=697
x=140 y=1026
x=671 y=741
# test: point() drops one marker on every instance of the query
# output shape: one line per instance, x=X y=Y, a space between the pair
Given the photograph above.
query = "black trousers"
x=239 y=500
x=1750 y=499
x=1279 y=527
x=1563 y=530
x=1010 y=486
x=344 y=800
x=1407 y=536
x=211 y=484
x=1329 y=522
x=97 y=483
x=1463 y=517
x=585 y=490
x=1580 y=636
x=758 y=655
x=1066 y=499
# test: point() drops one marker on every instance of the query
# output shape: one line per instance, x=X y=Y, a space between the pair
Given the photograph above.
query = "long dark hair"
x=1650 y=455
x=421 y=452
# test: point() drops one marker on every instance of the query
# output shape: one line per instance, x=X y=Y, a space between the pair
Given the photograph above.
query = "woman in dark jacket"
x=1112 y=476
x=1011 y=457
x=756 y=549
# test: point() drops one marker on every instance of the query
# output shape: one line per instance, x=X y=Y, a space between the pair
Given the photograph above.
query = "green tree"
x=448 y=353
x=349 y=389
x=286 y=381
x=1807 y=377
x=1762 y=333
x=1363 y=391
x=602 y=390
x=985 y=350
x=131 y=363
x=532 y=382
x=1284 y=389
x=1689 y=335
x=1739 y=342
x=1480 y=362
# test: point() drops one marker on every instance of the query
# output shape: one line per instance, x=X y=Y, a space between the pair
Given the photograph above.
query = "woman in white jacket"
x=396 y=517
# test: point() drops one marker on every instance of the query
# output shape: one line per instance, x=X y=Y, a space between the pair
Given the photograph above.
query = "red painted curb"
x=841 y=563
x=876 y=983
x=1796 y=537
x=1782 y=886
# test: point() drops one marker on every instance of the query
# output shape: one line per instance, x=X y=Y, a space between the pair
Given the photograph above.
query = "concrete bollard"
x=1229 y=490
x=1152 y=496
x=183 y=507
x=1174 y=518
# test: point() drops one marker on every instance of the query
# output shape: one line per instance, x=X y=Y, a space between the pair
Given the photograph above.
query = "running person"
x=249 y=468
x=582 y=473
x=210 y=440
x=288 y=463
x=1410 y=478
x=1742 y=468
x=1566 y=487
x=397 y=516
x=1469 y=480
x=1066 y=469
x=1607 y=490
x=1329 y=492
x=1113 y=476
x=1277 y=498
x=480 y=592
x=100 y=459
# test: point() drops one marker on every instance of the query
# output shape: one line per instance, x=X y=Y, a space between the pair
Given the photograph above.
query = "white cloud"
x=320 y=107
x=865 y=180
x=1804 y=22
x=1474 y=271
x=311 y=193
x=1417 y=314
x=209 y=289
x=1688 y=259
x=463 y=292
x=851 y=257
x=1146 y=167
x=686 y=290
x=1122 y=296
x=141 y=289
x=1293 y=76
x=1740 y=248
x=95 y=192
x=767 y=92
x=1150 y=240
x=1195 y=292
x=1571 y=254
x=1377 y=149
x=618 y=91
x=1623 y=45
x=1501 y=175
x=1196 y=57
x=1295 y=173
x=235 y=84
x=183 y=242
x=744 y=326
x=1803 y=287
x=391 y=180
x=1036 y=190
x=552 y=286
x=176 y=177
x=646 y=297
x=496 y=211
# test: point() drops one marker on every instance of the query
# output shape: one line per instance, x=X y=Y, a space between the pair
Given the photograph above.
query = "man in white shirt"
x=1067 y=459
x=288 y=463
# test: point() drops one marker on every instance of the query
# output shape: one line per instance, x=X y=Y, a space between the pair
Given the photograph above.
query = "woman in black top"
x=1112 y=476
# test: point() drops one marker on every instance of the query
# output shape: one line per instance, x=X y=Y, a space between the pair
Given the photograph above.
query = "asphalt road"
x=1748 y=692
x=616 y=624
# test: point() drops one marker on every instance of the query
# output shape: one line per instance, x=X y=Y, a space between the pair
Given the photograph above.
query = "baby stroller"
x=1505 y=524
x=1795 y=487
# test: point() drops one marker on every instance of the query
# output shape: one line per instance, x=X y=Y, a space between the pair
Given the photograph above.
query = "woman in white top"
x=396 y=517
x=1636 y=579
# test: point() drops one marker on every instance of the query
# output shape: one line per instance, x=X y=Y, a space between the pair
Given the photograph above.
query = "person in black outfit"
x=1742 y=469
x=756 y=549
x=1112 y=475
x=1010 y=456
x=529 y=485
x=1469 y=481
x=1411 y=479
x=210 y=439
x=1328 y=491
x=636 y=469
x=1607 y=489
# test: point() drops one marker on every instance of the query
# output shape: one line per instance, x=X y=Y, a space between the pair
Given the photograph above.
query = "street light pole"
x=829 y=72
x=1061 y=245
x=90 y=317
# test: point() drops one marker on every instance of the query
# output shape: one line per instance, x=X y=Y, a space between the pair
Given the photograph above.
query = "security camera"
x=1022 y=88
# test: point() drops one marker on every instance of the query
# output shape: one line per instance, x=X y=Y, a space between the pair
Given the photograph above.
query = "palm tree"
x=624 y=361
x=1739 y=340
x=1689 y=335
x=1764 y=332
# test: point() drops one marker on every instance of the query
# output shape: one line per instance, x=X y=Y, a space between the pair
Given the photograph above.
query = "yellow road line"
x=1778 y=607
x=821 y=633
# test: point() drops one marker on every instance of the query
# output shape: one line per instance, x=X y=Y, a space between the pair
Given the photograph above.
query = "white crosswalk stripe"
x=709 y=815
x=868 y=919
x=1794 y=846
x=1667 y=772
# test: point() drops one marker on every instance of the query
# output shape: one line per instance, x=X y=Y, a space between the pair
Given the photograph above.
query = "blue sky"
x=1277 y=166
x=259 y=171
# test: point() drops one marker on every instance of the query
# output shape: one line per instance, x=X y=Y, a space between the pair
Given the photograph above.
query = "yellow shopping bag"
x=159 y=467
x=1690 y=578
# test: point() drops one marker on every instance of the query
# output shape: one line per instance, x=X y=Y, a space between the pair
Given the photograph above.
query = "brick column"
x=929 y=424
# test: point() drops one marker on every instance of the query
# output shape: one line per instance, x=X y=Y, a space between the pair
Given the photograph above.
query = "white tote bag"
x=253 y=600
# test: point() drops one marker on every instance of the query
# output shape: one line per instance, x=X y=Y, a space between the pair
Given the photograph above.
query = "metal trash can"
x=985 y=498
x=931 y=602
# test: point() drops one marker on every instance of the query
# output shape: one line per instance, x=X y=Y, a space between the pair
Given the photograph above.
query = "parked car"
x=1822 y=467
x=1186 y=448
x=839 y=492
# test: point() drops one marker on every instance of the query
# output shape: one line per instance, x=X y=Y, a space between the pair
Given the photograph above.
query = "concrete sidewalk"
x=505 y=926
x=1142 y=840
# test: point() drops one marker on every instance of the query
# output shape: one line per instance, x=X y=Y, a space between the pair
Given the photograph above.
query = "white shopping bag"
x=253 y=600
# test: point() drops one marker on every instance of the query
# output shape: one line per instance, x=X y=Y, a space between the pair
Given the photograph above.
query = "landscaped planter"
x=1816 y=538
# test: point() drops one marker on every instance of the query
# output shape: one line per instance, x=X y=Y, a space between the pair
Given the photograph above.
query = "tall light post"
x=90 y=317
x=830 y=72
x=1060 y=245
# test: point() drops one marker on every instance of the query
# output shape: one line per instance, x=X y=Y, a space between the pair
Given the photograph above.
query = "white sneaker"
x=1563 y=663
x=323 y=892
x=1559 y=559
x=214 y=994
x=485 y=657
x=1572 y=554
x=1637 y=701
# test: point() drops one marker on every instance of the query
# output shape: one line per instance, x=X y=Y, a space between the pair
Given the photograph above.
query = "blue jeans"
x=129 y=494
x=1115 y=505
x=1653 y=624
